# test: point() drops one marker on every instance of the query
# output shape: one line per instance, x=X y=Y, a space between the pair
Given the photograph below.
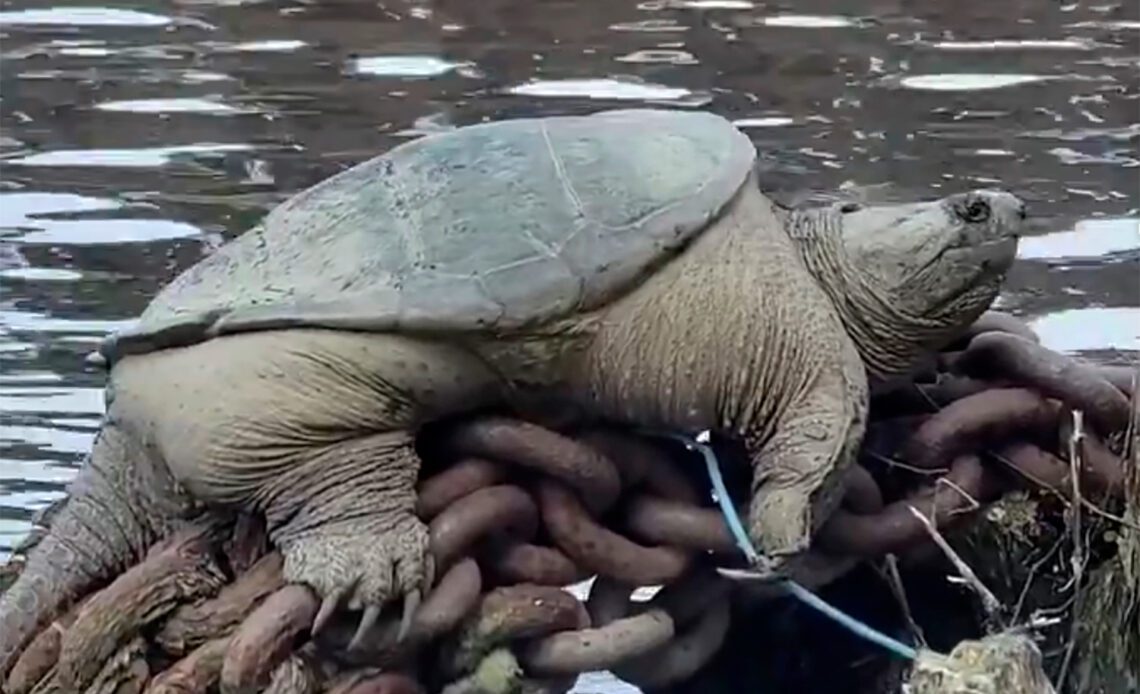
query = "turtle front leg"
x=798 y=471
x=345 y=521
x=315 y=430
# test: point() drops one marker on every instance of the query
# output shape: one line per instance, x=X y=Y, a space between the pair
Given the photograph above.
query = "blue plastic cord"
x=789 y=586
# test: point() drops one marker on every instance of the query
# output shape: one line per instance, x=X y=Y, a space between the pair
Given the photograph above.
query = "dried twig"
x=894 y=580
x=990 y=603
x=1077 y=559
x=895 y=462
x=1075 y=464
x=1033 y=571
x=974 y=503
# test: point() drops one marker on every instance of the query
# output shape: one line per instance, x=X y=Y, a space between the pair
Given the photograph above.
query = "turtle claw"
x=367 y=621
x=411 y=604
x=355 y=574
x=751 y=574
x=325 y=613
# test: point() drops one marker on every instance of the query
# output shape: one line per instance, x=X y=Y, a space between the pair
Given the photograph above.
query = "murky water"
x=137 y=137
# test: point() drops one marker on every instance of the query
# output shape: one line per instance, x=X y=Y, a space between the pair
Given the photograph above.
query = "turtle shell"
x=494 y=226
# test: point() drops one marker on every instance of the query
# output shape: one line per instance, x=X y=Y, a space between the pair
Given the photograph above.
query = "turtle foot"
x=779 y=525
x=359 y=568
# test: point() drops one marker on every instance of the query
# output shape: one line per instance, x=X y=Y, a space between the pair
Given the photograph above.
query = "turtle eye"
x=974 y=211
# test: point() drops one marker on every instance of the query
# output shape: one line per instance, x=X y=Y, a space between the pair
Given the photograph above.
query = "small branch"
x=1077 y=560
x=990 y=603
x=895 y=462
x=1075 y=441
x=974 y=503
x=894 y=580
x=1033 y=571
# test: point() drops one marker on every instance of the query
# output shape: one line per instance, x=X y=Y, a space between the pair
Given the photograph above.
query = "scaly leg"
x=120 y=503
x=798 y=472
x=315 y=429
x=345 y=521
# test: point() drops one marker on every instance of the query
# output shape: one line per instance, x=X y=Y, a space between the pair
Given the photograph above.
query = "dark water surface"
x=136 y=137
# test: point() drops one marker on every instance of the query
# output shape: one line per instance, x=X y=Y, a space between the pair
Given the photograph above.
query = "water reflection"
x=1090 y=238
x=611 y=90
x=403 y=66
x=803 y=21
x=963 y=81
x=209 y=105
x=32 y=218
x=82 y=17
x=140 y=157
x=1090 y=329
x=134 y=140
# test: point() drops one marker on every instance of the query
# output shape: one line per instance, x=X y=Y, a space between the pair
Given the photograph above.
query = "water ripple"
x=962 y=82
x=142 y=157
x=83 y=17
x=613 y=89
x=807 y=21
x=205 y=106
x=1090 y=329
x=659 y=55
x=30 y=218
x=1090 y=238
x=71 y=401
x=40 y=274
x=404 y=65
x=1069 y=44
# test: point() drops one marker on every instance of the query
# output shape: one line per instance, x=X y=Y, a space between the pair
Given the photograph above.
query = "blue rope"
x=700 y=444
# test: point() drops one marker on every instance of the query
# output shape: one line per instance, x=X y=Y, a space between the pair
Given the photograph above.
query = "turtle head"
x=913 y=276
x=942 y=260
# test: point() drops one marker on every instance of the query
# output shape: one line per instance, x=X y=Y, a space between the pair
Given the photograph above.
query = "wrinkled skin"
x=766 y=329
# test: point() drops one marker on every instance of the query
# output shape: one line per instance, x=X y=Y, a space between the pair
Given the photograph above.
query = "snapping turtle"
x=625 y=260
